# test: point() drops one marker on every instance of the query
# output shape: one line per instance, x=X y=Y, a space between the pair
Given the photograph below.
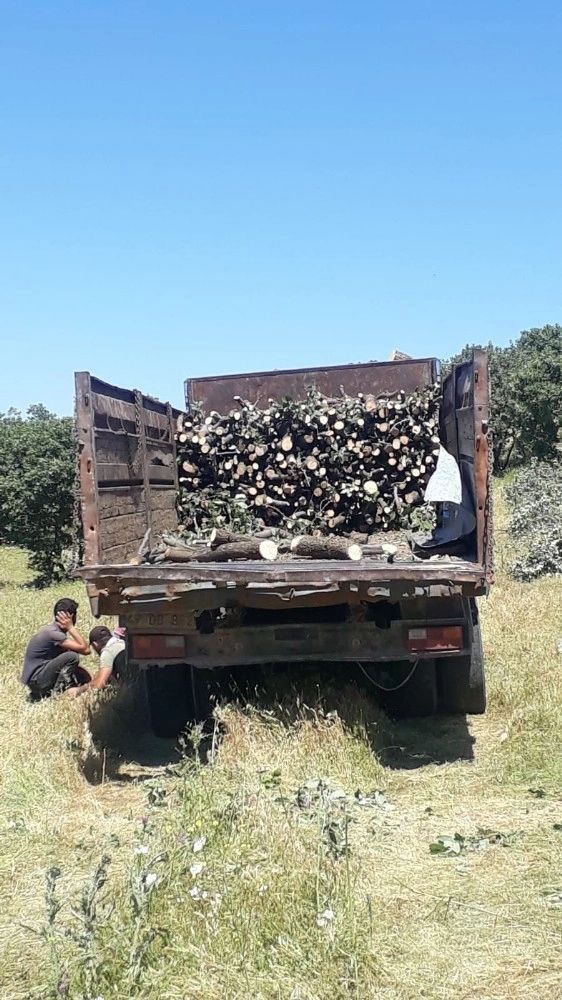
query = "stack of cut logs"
x=315 y=467
x=224 y=545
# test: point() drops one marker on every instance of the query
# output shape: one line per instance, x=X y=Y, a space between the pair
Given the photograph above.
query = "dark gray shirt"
x=42 y=648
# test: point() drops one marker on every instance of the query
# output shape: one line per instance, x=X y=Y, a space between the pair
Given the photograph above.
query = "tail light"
x=435 y=639
x=159 y=647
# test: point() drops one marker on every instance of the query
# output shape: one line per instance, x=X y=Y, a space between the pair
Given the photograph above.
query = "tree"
x=526 y=396
x=39 y=412
x=538 y=388
x=37 y=478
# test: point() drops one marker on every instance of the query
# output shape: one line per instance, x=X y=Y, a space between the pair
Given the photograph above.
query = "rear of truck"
x=409 y=626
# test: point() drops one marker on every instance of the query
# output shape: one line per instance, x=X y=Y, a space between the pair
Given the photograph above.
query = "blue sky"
x=190 y=188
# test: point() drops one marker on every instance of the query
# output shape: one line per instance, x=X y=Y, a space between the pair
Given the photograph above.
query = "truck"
x=411 y=625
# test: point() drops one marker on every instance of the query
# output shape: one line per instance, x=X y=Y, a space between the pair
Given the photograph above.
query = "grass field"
x=259 y=872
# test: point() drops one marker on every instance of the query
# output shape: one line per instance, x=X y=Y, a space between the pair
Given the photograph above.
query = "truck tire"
x=174 y=698
x=462 y=680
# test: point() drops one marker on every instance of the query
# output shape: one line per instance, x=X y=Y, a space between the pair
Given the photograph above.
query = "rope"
x=381 y=687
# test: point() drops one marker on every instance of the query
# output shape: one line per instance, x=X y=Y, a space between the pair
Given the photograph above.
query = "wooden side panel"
x=128 y=468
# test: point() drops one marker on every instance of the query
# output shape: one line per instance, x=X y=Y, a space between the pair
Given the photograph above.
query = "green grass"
x=304 y=893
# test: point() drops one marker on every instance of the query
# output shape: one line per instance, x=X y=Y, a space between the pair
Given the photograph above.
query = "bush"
x=37 y=479
x=535 y=495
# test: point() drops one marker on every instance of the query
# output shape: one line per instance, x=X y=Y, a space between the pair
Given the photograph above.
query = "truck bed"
x=128 y=474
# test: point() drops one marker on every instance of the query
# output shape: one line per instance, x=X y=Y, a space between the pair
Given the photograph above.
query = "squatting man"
x=52 y=658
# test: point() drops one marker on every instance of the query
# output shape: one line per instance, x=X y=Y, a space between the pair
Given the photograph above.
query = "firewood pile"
x=317 y=467
x=223 y=545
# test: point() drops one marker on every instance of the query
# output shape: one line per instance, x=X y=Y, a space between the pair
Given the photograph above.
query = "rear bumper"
x=339 y=642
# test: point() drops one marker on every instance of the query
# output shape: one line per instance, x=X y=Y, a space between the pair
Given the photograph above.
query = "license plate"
x=165 y=620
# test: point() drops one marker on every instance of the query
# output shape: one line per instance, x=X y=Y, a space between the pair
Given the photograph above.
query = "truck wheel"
x=462 y=680
x=175 y=698
x=417 y=697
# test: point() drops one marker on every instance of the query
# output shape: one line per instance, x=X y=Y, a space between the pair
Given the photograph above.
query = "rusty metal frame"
x=218 y=392
x=309 y=642
x=86 y=461
x=314 y=573
x=185 y=598
x=479 y=406
x=484 y=533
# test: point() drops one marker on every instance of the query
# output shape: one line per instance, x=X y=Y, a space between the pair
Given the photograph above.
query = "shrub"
x=535 y=495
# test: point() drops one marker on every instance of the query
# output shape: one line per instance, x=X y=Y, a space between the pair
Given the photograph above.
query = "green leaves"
x=451 y=846
x=271 y=779
x=535 y=496
x=526 y=402
x=37 y=479
x=448 y=845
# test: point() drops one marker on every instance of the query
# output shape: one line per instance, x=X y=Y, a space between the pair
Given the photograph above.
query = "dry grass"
x=253 y=923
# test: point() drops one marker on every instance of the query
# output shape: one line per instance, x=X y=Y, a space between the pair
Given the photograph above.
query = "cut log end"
x=247 y=548
x=268 y=550
x=325 y=548
x=370 y=488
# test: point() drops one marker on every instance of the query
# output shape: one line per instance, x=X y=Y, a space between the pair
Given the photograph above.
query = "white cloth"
x=445 y=485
